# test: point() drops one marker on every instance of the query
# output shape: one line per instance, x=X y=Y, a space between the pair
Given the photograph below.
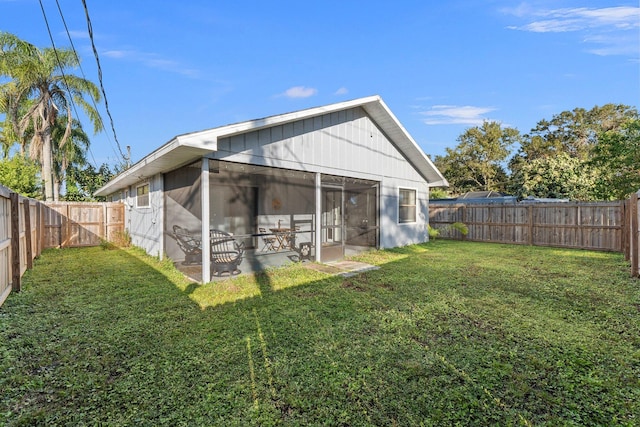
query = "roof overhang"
x=190 y=147
x=391 y=126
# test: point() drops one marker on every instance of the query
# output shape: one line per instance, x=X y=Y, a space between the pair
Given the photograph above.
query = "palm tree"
x=38 y=80
x=73 y=152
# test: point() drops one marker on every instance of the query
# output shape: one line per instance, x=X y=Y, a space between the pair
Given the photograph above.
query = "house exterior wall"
x=144 y=224
x=392 y=233
x=346 y=143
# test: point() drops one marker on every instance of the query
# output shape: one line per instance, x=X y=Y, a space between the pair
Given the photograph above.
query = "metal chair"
x=191 y=246
x=269 y=240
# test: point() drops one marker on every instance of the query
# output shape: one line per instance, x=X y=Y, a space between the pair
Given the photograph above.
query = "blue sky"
x=441 y=66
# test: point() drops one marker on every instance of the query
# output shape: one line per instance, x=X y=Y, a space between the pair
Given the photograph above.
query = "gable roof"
x=189 y=147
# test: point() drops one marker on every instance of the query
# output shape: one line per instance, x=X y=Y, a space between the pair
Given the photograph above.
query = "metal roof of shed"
x=189 y=147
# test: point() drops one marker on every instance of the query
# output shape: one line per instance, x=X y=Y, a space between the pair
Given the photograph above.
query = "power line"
x=64 y=77
x=55 y=52
x=104 y=94
x=75 y=52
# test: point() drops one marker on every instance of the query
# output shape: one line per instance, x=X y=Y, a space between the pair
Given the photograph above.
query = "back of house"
x=319 y=184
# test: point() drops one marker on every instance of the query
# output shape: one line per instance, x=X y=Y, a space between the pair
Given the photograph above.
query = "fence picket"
x=600 y=226
x=596 y=226
x=26 y=230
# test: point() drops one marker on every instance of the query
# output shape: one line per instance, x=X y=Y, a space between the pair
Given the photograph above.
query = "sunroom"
x=318 y=185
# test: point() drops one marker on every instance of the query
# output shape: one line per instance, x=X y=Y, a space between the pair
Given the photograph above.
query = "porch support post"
x=204 y=195
x=318 y=238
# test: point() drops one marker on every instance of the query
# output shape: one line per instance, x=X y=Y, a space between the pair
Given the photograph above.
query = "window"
x=142 y=195
x=406 y=205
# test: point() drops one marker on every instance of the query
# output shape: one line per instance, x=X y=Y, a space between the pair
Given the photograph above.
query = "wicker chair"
x=191 y=246
x=226 y=253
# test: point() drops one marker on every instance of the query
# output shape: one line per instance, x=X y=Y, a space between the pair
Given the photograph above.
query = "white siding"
x=145 y=224
x=393 y=234
x=346 y=143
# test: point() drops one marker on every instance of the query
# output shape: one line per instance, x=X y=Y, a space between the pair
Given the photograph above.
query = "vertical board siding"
x=333 y=143
x=592 y=225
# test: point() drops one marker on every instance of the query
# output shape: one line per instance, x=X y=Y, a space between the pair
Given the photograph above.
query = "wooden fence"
x=69 y=224
x=601 y=226
x=28 y=226
x=632 y=233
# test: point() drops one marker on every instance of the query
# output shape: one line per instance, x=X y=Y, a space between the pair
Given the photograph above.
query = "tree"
x=81 y=184
x=21 y=175
x=40 y=80
x=72 y=153
x=618 y=153
x=555 y=158
x=476 y=162
x=558 y=177
x=574 y=132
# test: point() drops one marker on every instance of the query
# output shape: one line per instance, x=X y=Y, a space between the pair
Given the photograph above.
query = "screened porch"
x=265 y=216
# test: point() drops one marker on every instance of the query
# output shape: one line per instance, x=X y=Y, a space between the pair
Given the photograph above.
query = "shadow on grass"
x=438 y=335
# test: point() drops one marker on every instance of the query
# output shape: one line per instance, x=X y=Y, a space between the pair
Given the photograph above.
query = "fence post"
x=634 y=235
x=67 y=227
x=530 y=213
x=579 y=229
x=15 y=242
x=464 y=220
x=27 y=233
x=39 y=229
x=624 y=227
x=105 y=222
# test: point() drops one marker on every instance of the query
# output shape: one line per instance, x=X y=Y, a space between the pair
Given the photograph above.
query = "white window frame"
x=415 y=206
x=148 y=194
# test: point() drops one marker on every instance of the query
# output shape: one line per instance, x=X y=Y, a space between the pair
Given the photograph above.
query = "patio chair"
x=291 y=238
x=226 y=253
x=191 y=246
x=269 y=240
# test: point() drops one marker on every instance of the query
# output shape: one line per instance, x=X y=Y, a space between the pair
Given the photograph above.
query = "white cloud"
x=116 y=54
x=576 y=19
x=608 y=26
x=77 y=34
x=300 y=92
x=456 y=115
x=342 y=91
x=151 y=60
x=613 y=45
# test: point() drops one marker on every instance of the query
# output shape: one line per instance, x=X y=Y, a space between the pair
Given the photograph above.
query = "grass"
x=444 y=333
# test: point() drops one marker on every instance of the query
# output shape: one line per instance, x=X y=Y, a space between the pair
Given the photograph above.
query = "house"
x=320 y=183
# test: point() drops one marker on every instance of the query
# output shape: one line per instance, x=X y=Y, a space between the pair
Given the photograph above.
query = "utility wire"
x=55 y=51
x=93 y=101
x=104 y=94
x=64 y=77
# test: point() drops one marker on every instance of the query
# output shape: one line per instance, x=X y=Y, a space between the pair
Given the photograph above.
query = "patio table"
x=283 y=236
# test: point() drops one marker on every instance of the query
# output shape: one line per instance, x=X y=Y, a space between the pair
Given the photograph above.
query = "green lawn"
x=444 y=333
